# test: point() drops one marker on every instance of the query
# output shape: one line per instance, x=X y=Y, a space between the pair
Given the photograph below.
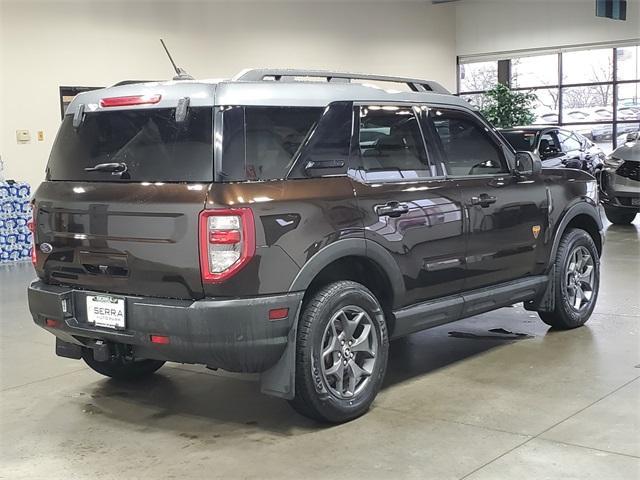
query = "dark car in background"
x=557 y=147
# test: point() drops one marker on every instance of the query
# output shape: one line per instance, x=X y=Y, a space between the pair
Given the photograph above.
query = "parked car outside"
x=292 y=228
x=557 y=147
x=620 y=182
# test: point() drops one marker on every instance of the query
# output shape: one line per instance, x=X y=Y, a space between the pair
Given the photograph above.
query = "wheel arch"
x=369 y=263
x=584 y=216
x=368 y=258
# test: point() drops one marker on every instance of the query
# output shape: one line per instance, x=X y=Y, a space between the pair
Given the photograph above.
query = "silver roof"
x=252 y=88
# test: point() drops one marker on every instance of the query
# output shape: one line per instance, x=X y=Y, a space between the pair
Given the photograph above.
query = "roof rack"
x=260 y=74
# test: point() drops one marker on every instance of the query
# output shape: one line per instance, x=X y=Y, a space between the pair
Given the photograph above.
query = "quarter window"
x=391 y=143
x=467 y=145
x=261 y=143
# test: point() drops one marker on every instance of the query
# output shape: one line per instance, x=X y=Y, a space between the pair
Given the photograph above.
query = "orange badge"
x=535 y=230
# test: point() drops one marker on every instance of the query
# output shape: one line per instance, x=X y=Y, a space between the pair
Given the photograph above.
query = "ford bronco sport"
x=291 y=223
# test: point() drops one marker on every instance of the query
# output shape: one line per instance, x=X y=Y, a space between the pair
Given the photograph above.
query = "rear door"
x=407 y=207
x=503 y=215
x=131 y=229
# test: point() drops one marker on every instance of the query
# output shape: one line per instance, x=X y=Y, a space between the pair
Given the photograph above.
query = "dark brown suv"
x=292 y=228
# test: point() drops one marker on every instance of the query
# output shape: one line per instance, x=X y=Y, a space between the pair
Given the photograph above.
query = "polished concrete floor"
x=460 y=401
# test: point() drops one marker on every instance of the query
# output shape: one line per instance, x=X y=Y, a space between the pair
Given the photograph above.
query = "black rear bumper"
x=234 y=335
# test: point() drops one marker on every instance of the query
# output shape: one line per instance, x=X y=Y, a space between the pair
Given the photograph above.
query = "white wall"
x=47 y=44
x=485 y=26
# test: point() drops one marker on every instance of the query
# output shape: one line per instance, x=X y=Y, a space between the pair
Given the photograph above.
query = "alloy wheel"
x=349 y=350
x=579 y=278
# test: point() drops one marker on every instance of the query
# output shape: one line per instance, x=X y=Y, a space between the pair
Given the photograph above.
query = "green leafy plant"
x=505 y=108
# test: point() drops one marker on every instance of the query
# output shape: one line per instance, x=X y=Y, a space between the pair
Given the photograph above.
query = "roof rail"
x=259 y=74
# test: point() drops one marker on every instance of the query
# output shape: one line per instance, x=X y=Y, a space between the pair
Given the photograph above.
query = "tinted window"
x=568 y=141
x=467 y=145
x=268 y=143
x=149 y=141
x=273 y=136
x=521 y=140
x=391 y=143
x=329 y=144
x=549 y=145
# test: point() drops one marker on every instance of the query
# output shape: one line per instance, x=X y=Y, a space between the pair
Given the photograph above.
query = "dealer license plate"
x=635 y=202
x=106 y=311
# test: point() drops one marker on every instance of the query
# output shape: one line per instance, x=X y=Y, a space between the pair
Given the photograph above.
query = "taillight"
x=130 y=100
x=32 y=227
x=227 y=242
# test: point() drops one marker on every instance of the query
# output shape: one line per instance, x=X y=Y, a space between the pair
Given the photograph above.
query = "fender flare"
x=350 y=247
x=279 y=380
x=546 y=301
x=580 y=208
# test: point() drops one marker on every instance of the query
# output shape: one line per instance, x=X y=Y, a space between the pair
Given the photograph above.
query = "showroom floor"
x=460 y=401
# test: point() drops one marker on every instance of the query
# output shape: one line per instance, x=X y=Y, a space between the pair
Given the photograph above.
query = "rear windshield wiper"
x=113 y=168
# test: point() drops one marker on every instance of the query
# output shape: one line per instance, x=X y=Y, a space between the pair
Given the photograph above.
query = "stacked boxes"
x=15 y=212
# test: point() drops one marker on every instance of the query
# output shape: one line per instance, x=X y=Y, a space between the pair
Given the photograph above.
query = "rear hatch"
x=130 y=226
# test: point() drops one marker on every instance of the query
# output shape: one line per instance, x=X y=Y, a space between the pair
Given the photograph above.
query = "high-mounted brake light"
x=130 y=100
x=227 y=242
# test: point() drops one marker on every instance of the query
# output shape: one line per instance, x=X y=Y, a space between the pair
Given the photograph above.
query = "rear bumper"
x=234 y=335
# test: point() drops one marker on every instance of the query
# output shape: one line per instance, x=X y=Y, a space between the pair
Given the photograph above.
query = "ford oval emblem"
x=46 y=248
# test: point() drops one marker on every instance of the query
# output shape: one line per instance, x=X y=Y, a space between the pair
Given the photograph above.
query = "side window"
x=271 y=137
x=391 y=143
x=328 y=144
x=467 y=145
x=549 y=145
x=569 y=141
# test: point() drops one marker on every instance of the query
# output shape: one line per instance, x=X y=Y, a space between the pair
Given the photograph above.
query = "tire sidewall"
x=332 y=407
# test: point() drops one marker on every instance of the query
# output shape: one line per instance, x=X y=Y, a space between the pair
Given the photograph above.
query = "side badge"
x=46 y=248
x=535 y=230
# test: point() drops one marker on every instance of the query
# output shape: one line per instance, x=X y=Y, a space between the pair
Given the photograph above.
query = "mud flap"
x=546 y=302
x=280 y=380
x=68 y=350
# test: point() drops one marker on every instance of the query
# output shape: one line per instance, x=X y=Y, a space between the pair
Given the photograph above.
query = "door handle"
x=392 y=209
x=483 y=200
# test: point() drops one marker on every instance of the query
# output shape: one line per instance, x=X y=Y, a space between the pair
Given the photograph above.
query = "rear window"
x=154 y=147
x=521 y=140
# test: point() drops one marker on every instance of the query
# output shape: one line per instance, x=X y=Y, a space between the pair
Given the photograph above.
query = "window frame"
x=356 y=170
x=553 y=132
x=502 y=146
x=615 y=82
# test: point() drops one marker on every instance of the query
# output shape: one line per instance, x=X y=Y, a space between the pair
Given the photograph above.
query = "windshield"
x=521 y=140
x=152 y=145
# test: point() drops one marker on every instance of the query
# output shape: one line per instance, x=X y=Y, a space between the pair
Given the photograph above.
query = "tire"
x=576 y=291
x=619 y=216
x=120 y=368
x=340 y=312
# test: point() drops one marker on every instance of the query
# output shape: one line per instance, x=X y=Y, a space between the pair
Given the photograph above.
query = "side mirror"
x=527 y=163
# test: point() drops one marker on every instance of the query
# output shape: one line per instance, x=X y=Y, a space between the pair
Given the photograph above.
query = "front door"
x=549 y=149
x=407 y=208
x=503 y=214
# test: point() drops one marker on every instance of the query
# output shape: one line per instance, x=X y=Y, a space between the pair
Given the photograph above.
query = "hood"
x=629 y=152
